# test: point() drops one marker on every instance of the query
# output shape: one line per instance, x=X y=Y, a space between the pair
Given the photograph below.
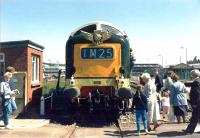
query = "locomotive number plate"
x=96 y=53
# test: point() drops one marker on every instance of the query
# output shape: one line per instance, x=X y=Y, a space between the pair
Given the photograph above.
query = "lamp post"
x=181 y=54
x=182 y=48
x=186 y=55
x=162 y=58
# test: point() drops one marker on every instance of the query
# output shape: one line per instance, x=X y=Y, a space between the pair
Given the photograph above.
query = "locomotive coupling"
x=97 y=96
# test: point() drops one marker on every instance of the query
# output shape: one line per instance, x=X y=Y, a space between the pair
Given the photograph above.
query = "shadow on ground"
x=84 y=120
x=98 y=119
x=117 y=133
x=172 y=134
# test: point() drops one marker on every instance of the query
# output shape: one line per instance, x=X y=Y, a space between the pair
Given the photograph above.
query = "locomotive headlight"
x=72 y=81
x=121 y=81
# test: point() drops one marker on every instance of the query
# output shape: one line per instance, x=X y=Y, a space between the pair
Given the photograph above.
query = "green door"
x=19 y=79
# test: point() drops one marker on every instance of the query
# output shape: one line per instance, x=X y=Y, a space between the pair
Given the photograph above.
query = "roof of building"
x=196 y=66
x=12 y=44
x=181 y=66
x=153 y=65
x=52 y=64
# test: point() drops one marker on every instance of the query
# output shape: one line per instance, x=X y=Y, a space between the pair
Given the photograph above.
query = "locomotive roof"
x=100 y=25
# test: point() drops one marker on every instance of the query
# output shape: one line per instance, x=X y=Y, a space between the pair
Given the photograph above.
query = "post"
x=42 y=106
x=162 y=59
x=186 y=54
x=181 y=55
x=51 y=100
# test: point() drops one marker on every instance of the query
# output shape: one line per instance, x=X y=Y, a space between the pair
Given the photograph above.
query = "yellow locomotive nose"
x=98 y=65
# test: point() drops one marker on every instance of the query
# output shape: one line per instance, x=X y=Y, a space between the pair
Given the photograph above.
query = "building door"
x=19 y=79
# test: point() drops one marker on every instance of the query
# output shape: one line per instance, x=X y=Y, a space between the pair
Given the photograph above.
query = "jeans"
x=7 y=110
x=1 y=107
x=13 y=105
x=142 y=113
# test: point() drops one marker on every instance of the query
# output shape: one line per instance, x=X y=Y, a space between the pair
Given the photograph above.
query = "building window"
x=35 y=68
x=2 y=64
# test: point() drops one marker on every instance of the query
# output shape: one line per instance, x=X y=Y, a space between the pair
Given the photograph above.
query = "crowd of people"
x=152 y=97
x=7 y=96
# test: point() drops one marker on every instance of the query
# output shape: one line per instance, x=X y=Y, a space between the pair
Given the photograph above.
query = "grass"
x=50 y=85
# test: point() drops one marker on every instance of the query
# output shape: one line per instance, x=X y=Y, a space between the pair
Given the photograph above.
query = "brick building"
x=27 y=57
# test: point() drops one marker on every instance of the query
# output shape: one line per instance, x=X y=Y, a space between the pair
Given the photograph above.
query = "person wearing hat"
x=151 y=94
x=195 y=101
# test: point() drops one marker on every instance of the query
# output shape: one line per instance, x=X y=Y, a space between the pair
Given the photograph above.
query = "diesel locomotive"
x=98 y=66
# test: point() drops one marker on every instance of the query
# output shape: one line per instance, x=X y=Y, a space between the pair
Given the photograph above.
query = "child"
x=165 y=103
x=140 y=104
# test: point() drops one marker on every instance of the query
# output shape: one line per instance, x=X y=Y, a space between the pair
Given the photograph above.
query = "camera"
x=17 y=91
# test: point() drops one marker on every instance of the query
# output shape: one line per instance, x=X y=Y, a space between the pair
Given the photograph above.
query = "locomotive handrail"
x=49 y=96
x=58 y=83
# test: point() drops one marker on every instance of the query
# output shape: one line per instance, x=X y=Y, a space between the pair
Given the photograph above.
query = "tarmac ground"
x=164 y=131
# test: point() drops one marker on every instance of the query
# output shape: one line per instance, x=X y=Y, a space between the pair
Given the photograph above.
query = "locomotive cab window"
x=97 y=53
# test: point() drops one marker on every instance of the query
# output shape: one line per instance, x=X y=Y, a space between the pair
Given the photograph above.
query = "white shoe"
x=138 y=134
x=146 y=131
x=8 y=127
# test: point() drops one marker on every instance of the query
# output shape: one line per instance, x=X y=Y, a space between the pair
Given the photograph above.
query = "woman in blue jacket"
x=178 y=98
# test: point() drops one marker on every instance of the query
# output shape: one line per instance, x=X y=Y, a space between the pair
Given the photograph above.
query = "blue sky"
x=154 y=27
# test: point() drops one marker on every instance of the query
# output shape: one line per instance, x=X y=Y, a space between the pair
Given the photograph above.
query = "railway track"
x=119 y=129
x=71 y=130
x=125 y=124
